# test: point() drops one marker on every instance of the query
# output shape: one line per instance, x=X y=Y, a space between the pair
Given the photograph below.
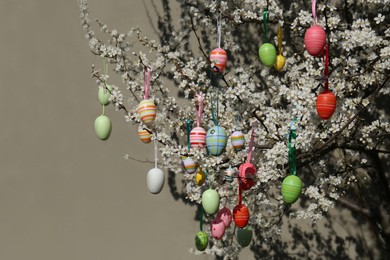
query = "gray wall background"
x=64 y=194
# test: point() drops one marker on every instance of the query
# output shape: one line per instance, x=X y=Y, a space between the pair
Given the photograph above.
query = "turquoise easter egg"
x=104 y=95
x=216 y=140
x=201 y=240
x=244 y=236
x=103 y=127
x=267 y=54
x=291 y=189
x=210 y=201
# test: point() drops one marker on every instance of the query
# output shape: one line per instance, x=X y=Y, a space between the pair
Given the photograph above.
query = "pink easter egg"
x=225 y=215
x=217 y=228
x=198 y=137
x=246 y=175
x=315 y=40
x=219 y=57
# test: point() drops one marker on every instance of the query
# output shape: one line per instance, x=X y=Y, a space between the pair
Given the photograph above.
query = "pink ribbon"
x=251 y=146
x=146 y=82
x=200 y=109
x=313 y=10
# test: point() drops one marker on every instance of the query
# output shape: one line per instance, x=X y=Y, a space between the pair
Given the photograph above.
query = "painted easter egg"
x=246 y=175
x=238 y=140
x=103 y=127
x=201 y=240
x=280 y=62
x=104 y=95
x=217 y=228
x=216 y=140
x=188 y=164
x=198 y=137
x=244 y=236
x=315 y=40
x=219 y=58
x=225 y=215
x=326 y=104
x=291 y=189
x=240 y=215
x=200 y=177
x=155 y=180
x=147 y=111
x=210 y=201
x=267 y=54
x=144 y=135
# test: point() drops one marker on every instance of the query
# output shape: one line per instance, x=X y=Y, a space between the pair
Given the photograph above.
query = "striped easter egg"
x=291 y=189
x=246 y=175
x=219 y=57
x=240 y=215
x=188 y=164
x=216 y=140
x=315 y=39
x=147 y=111
x=267 y=54
x=198 y=137
x=144 y=135
x=326 y=104
x=238 y=140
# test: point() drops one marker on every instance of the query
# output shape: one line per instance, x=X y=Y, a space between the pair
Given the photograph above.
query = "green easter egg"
x=210 y=201
x=201 y=240
x=103 y=127
x=244 y=236
x=104 y=95
x=291 y=189
x=267 y=54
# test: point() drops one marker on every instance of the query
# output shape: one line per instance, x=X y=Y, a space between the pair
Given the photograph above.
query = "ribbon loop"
x=265 y=22
x=146 y=82
x=326 y=69
x=314 y=10
x=249 y=158
x=280 y=38
x=219 y=29
x=155 y=151
x=292 y=160
x=188 y=124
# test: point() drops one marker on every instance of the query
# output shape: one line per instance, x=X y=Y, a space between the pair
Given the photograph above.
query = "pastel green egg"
x=210 y=201
x=244 y=236
x=104 y=95
x=291 y=189
x=103 y=127
x=201 y=240
x=267 y=54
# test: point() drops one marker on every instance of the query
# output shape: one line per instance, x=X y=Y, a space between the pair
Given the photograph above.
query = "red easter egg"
x=240 y=215
x=217 y=228
x=225 y=215
x=246 y=175
x=219 y=57
x=315 y=40
x=326 y=104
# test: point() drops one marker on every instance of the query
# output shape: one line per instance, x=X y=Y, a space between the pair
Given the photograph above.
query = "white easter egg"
x=155 y=180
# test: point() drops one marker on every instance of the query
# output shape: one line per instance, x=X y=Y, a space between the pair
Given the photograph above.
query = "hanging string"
x=326 y=69
x=105 y=66
x=200 y=109
x=251 y=146
x=314 y=10
x=155 y=151
x=146 y=82
x=211 y=99
x=188 y=123
x=265 y=22
x=103 y=109
x=292 y=160
x=280 y=37
x=239 y=195
x=219 y=29
x=201 y=218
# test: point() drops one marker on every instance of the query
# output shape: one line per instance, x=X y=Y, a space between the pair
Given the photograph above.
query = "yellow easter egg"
x=200 y=177
x=280 y=62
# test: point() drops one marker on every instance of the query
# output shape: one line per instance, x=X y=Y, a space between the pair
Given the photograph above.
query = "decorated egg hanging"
x=210 y=201
x=188 y=164
x=155 y=180
x=267 y=54
x=244 y=236
x=200 y=177
x=103 y=127
x=246 y=175
x=198 y=137
x=217 y=228
x=201 y=240
x=241 y=215
x=326 y=104
x=225 y=215
x=291 y=189
x=280 y=62
x=219 y=58
x=104 y=95
x=238 y=140
x=216 y=140
x=147 y=111
x=315 y=39
x=144 y=135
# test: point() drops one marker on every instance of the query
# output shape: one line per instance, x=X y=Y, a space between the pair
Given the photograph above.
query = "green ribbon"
x=189 y=124
x=292 y=159
x=214 y=118
x=265 y=22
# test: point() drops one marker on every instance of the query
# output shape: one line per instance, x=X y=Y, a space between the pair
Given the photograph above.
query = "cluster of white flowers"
x=249 y=92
